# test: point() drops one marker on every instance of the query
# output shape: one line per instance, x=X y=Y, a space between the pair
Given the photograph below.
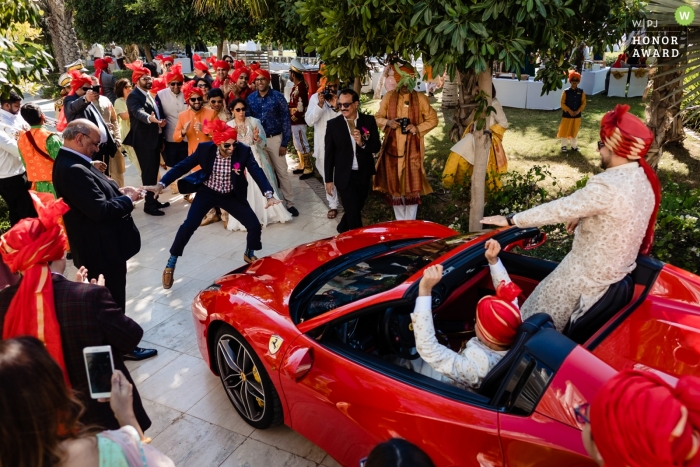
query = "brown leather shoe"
x=168 y=277
x=249 y=259
x=210 y=218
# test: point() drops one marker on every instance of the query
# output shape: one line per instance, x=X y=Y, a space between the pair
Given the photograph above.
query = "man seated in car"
x=497 y=320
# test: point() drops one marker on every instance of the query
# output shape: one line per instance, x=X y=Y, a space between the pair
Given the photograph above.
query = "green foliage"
x=677 y=238
x=22 y=57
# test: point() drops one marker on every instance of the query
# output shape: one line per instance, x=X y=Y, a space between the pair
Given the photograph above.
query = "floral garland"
x=618 y=74
x=640 y=72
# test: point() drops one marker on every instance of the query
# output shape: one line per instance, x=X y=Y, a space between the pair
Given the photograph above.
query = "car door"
x=347 y=408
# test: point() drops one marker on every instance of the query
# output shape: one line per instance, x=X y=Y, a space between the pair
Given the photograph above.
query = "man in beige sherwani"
x=613 y=217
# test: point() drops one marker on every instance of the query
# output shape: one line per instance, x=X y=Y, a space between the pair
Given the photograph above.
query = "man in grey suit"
x=146 y=134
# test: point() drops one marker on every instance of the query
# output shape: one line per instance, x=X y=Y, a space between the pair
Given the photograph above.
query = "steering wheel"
x=397 y=332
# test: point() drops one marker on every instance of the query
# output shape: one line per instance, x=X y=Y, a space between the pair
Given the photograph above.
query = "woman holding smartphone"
x=40 y=416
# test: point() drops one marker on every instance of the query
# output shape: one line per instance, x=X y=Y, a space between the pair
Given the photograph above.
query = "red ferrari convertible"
x=311 y=337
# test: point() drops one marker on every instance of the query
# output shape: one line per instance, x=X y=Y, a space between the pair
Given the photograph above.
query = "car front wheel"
x=245 y=380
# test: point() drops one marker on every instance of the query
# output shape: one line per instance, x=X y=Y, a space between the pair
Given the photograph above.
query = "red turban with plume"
x=158 y=85
x=28 y=247
x=256 y=71
x=78 y=80
x=497 y=318
x=211 y=60
x=574 y=74
x=627 y=136
x=138 y=70
x=639 y=420
x=618 y=62
x=200 y=64
x=222 y=64
x=220 y=132
x=190 y=88
x=167 y=59
x=175 y=74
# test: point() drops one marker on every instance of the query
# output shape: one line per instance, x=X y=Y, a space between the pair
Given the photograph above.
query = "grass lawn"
x=531 y=140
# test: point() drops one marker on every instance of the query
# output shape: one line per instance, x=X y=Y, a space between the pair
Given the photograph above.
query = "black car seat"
x=529 y=328
x=617 y=296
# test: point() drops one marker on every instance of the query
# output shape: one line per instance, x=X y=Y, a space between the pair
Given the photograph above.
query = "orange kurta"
x=39 y=168
x=194 y=137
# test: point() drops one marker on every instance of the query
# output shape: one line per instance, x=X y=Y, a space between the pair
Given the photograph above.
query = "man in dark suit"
x=145 y=135
x=220 y=183
x=67 y=316
x=100 y=229
x=79 y=104
x=351 y=140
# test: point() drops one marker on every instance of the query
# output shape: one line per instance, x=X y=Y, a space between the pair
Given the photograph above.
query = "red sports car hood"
x=272 y=279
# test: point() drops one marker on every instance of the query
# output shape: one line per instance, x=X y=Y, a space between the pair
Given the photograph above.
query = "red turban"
x=627 y=136
x=239 y=68
x=138 y=70
x=108 y=60
x=639 y=420
x=199 y=64
x=497 y=318
x=220 y=132
x=618 y=62
x=28 y=247
x=78 y=79
x=158 y=85
x=189 y=88
x=574 y=74
x=158 y=57
x=175 y=74
x=222 y=64
x=256 y=71
x=211 y=60
x=167 y=59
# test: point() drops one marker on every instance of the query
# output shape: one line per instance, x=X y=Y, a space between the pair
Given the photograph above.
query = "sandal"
x=332 y=213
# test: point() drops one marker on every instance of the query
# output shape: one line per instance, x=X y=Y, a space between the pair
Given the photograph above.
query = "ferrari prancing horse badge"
x=274 y=345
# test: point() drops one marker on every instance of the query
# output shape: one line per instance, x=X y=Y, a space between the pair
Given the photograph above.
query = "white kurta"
x=614 y=209
x=318 y=117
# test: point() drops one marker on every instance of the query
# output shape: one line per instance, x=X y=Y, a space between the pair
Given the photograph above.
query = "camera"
x=96 y=89
x=404 y=122
x=327 y=95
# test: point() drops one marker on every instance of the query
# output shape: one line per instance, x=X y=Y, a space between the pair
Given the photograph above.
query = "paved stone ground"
x=193 y=421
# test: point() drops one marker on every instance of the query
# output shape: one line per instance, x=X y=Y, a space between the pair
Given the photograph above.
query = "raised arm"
x=313 y=112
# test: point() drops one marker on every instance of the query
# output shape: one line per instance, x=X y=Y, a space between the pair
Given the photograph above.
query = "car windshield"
x=376 y=275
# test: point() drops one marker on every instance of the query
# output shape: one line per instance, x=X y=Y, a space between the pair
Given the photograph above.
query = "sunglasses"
x=196 y=99
x=212 y=101
x=176 y=83
x=229 y=61
x=345 y=105
x=581 y=413
x=601 y=145
x=227 y=145
x=239 y=109
x=202 y=86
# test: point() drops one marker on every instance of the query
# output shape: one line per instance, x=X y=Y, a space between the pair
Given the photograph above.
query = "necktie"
x=351 y=124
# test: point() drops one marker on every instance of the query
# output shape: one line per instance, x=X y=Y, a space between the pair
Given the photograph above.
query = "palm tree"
x=674 y=99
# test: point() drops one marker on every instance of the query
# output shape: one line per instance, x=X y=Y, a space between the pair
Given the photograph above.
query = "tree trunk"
x=466 y=82
x=663 y=104
x=357 y=85
x=59 y=21
x=220 y=44
x=147 y=52
x=482 y=143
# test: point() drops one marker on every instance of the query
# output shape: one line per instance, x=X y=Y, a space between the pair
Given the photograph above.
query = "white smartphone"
x=99 y=366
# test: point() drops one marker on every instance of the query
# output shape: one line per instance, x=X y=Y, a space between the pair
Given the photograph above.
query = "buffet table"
x=593 y=82
x=525 y=94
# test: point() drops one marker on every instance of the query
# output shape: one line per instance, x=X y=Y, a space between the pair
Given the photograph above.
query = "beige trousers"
x=279 y=163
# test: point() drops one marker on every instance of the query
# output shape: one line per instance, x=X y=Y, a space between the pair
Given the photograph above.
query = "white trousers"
x=565 y=142
x=279 y=163
x=406 y=213
x=332 y=199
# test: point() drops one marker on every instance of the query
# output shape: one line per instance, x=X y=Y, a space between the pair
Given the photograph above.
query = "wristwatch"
x=509 y=218
x=162 y=185
x=268 y=194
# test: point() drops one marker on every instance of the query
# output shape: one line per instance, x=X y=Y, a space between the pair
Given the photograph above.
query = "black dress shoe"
x=305 y=176
x=293 y=211
x=298 y=171
x=140 y=354
x=154 y=212
x=163 y=205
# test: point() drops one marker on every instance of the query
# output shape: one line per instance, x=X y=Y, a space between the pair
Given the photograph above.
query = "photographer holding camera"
x=323 y=107
x=406 y=117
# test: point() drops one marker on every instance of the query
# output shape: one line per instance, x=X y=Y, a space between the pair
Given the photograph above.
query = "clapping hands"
x=135 y=194
x=82 y=276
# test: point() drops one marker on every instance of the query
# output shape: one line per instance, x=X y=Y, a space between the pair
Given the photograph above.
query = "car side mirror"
x=528 y=243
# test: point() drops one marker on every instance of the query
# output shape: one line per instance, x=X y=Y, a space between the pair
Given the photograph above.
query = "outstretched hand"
x=155 y=189
x=271 y=202
x=500 y=221
x=431 y=277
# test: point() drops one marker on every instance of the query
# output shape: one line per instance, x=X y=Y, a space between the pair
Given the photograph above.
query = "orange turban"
x=220 y=132
x=138 y=70
x=639 y=420
x=574 y=74
x=496 y=317
x=324 y=80
x=28 y=247
x=189 y=88
x=78 y=79
x=627 y=136
x=175 y=74
x=256 y=71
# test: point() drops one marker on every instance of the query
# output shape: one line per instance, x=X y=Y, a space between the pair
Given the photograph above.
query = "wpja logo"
x=684 y=15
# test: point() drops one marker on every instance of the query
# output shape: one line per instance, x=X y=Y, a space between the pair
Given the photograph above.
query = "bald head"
x=82 y=136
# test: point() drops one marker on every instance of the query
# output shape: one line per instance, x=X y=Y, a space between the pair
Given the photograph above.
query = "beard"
x=196 y=106
x=148 y=85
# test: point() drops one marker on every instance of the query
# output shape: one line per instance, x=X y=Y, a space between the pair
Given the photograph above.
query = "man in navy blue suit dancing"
x=221 y=183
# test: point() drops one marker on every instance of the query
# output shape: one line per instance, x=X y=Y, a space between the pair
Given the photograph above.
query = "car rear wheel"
x=245 y=380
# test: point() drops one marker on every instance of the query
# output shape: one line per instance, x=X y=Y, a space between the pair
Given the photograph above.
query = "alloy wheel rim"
x=240 y=378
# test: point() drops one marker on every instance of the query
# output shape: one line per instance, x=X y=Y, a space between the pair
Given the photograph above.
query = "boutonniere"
x=237 y=168
x=365 y=133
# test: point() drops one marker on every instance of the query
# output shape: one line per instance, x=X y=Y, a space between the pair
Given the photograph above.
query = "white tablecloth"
x=618 y=86
x=550 y=101
x=186 y=66
x=637 y=85
x=593 y=82
x=511 y=92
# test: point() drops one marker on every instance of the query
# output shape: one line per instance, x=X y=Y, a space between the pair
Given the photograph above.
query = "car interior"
x=381 y=336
